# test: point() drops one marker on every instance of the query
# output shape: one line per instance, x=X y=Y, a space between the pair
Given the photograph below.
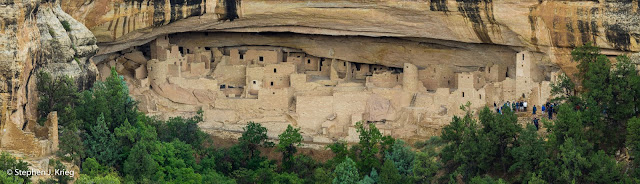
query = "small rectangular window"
x=261 y=58
x=241 y=56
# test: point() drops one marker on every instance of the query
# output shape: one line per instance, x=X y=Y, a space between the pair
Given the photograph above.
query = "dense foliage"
x=593 y=123
x=103 y=134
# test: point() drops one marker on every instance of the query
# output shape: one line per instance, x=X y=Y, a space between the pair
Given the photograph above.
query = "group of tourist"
x=519 y=106
x=549 y=108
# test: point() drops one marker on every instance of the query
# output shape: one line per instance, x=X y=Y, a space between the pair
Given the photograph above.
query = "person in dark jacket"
x=534 y=109
x=535 y=122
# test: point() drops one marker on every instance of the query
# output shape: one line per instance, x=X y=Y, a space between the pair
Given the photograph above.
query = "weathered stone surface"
x=137 y=57
x=176 y=94
x=529 y=23
x=37 y=35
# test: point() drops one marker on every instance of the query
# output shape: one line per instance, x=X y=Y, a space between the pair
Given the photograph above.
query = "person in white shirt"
x=524 y=104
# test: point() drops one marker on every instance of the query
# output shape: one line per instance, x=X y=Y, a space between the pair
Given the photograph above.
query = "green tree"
x=603 y=169
x=346 y=173
x=60 y=178
x=563 y=89
x=10 y=179
x=528 y=153
x=371 y=178
x=141 y=163
x=568 y=124
x=368 y=147
x=110 y=99
x=231 y=159
x=244 y=175
x=340 y=152
x=127 y=135
x=56 y=94
x=625 y=89
x=535 y=179
x=92 y=168
x=289 y=139
x=571 y=162
x=71 y=147
x=466 y=152
x=402 y=157
x=501 y=131
x=287 y=178
x=389 y=173
x=216 y=178
x=101 y=144
x=107 y=179
x=304 y=167
x=154 y=161
x=321 y=176
x=186 y=130
x=254 y=135
x=8 y=162
x=633 y=143
x=584 y=55
x=486 y=180
x=425 y=167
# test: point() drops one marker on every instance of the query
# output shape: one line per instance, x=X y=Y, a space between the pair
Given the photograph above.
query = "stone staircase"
x=413 y=100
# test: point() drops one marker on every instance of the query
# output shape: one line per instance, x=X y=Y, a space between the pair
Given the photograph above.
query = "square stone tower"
x=524 y=81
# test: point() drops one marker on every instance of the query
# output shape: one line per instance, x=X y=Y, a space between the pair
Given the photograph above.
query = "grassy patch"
x=66 y=25
x=52 y=33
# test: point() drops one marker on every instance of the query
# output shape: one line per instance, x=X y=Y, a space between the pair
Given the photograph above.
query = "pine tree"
x=346 y=173
x=71 y=145
x=467 y=152
x=425 y=167
x=254 y=135
x=289 y=139
x=56 y=94
x=529 y=152
x=110 y=99
x=389 y=173
x=100 y=143
x=625 y=86
x=500 y=131
x=633 y=143
x=402 y=157
x=563 y=90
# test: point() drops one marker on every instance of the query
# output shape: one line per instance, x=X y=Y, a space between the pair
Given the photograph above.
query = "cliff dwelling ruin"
x=323 y=94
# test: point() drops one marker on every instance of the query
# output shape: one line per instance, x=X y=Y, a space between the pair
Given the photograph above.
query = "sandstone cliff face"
x=551 y=27
x=37 y=35
x=531 y=23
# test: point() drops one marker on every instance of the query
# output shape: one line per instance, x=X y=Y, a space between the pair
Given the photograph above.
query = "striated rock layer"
x=34 y=36
x=551 y=27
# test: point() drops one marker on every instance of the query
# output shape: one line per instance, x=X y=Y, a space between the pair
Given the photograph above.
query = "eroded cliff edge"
x=37 y=35
x=548 y=26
